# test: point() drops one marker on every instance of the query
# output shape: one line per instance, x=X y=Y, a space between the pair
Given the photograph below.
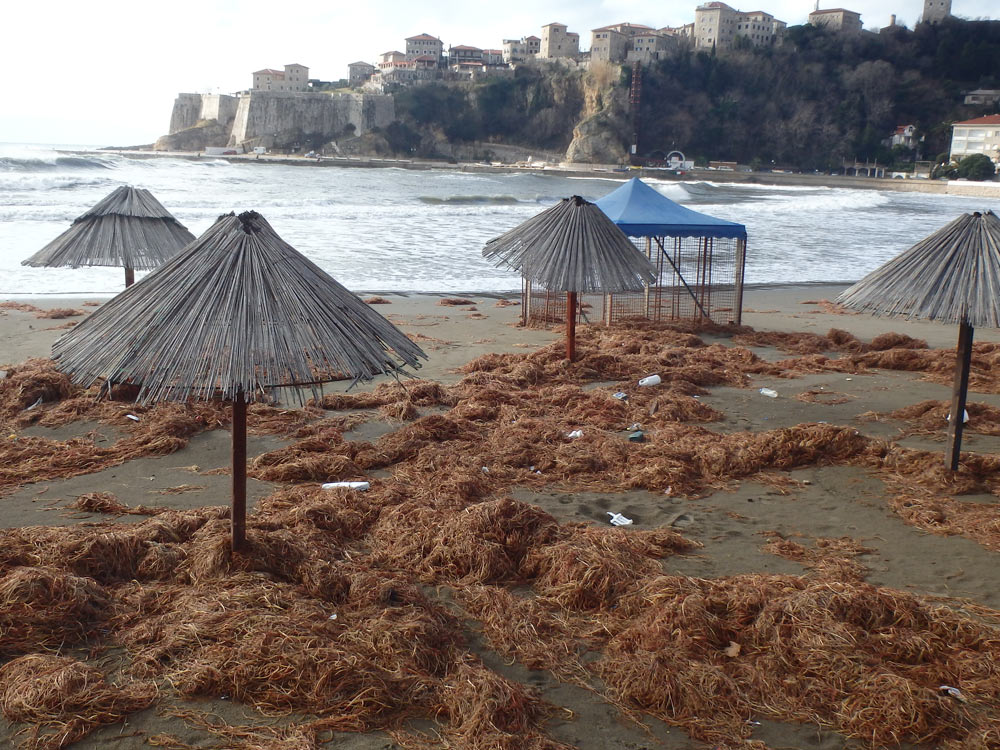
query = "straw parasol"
x=236 y=314
x=952 y=276
x=572 y=247
x=128 y=228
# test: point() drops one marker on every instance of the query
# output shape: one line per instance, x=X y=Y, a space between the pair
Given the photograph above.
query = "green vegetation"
x=976 y=167
x=820 y=98
x=815 y=101
x=537 y=108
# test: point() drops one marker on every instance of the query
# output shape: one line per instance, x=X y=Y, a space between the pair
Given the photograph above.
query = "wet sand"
x=733 y=523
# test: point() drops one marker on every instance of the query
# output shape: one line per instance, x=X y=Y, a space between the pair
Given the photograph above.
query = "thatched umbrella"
x=572 y=247
x=236 y=314
x=952 y=276
x=128 y=228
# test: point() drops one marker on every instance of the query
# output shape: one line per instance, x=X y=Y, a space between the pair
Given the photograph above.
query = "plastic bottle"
x=362 y=486
x=650 y=380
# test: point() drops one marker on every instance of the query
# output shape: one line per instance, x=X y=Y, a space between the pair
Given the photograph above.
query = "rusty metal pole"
x=239 y=515
x=129 y=277
x=960 y=389
x=570 y=326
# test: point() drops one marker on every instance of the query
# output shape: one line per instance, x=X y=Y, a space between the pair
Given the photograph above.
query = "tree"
x=976 y=167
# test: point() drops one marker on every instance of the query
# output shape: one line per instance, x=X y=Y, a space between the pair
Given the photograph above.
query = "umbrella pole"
x=570 y=326
x=963 y=363
x=129 y=277
x=239 y=514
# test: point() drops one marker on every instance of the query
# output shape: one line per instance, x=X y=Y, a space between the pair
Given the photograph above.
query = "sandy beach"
x=832 y=490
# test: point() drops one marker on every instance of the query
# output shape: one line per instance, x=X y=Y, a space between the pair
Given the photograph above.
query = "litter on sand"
x=965 y=417
x=617 y=519
x=574 y=434
x=650 y=380
x=361 y=486
x=768 y=392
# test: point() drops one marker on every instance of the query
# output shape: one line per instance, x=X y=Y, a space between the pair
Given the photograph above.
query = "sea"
x=401 y=230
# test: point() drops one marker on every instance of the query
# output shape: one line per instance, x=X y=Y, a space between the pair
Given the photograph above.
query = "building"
x=648 y=48
x=609 y=44
x=904 y=135
x=936 y=11
x=294 y=77
x=358 y=73
x=978 y=136
x=982 y=97
x=718 y=25
x=521 y=50
x=424 y=44
x=557 y=41
x=493 y=57
x=837 y=19
x=463 y=54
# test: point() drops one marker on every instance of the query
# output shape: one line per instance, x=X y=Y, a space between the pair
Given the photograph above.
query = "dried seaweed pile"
x=326 y=615
x=54 y=313
x=931 y=418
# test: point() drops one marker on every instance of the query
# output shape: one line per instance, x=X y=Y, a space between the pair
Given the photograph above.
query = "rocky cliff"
x=279 y=120
x=601 y=135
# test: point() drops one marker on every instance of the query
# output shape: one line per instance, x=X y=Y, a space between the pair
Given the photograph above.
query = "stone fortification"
x=275 y=119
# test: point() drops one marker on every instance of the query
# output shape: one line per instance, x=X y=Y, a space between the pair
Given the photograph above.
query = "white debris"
x=650 y=380
x=617 y=519
x=133 y=417
x=768 y=392
x=361 y=486
x=574 y=434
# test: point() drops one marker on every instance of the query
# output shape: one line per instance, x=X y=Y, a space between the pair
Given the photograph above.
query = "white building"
x=982 y=96
x=557 y=41
x=978 y=136
x=294 y=77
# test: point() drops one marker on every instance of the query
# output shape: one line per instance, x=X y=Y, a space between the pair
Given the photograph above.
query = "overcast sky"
x=106 y=73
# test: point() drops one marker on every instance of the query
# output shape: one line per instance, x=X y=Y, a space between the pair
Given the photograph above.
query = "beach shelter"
x=128 y=228
x=699 y=259
x=571 y=247
x=952 y=276
x=236 y=315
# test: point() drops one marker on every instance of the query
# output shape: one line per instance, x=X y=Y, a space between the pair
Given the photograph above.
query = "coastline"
x=604 y=171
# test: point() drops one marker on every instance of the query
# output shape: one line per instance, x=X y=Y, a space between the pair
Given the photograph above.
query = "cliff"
x=279 y=120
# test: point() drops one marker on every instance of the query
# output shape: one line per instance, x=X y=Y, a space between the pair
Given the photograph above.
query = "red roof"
x=532 y=37
x=422 y=38
x=834 y=10
x=270 y=72
x=988 y=120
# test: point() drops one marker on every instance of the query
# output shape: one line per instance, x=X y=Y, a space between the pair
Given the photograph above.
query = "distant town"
x=362 y=100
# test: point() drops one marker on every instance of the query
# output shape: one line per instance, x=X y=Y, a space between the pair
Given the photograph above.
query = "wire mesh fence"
x=697 y=277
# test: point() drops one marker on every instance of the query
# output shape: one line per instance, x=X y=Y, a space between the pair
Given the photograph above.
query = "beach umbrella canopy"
x=128 y=228
x=951 y=276
x=235 y=315
x=572 y=247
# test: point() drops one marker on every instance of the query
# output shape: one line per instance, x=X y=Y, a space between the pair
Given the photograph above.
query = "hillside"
x=811 y=102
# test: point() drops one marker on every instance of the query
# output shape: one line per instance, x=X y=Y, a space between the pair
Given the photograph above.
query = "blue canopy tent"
x=699 y=259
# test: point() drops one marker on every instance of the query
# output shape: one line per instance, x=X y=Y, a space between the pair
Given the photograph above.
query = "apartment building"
x=978 y=136
x=423 y=45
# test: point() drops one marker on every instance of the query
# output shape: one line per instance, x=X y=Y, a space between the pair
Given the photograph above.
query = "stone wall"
x=279 y=119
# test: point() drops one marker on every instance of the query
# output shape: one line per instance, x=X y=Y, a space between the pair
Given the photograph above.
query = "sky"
x=107 y=73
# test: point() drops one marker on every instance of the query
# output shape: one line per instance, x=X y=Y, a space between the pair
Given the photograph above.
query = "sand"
x=733 y=523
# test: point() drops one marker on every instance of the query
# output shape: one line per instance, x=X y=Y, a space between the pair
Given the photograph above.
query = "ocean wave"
x=452 y=200
x=56 y=163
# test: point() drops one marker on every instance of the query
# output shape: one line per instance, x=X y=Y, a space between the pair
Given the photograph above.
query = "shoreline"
x=605 y=171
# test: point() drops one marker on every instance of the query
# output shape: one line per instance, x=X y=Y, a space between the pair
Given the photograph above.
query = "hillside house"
x=557 y=41
x=294 y=77
x=648 y=48
x=358 y=73
x=978 y=136
x=837 y=19
x=717 y=25
x=521 y=50
x=463 y=54
x=982 y=97
x=423 y=45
